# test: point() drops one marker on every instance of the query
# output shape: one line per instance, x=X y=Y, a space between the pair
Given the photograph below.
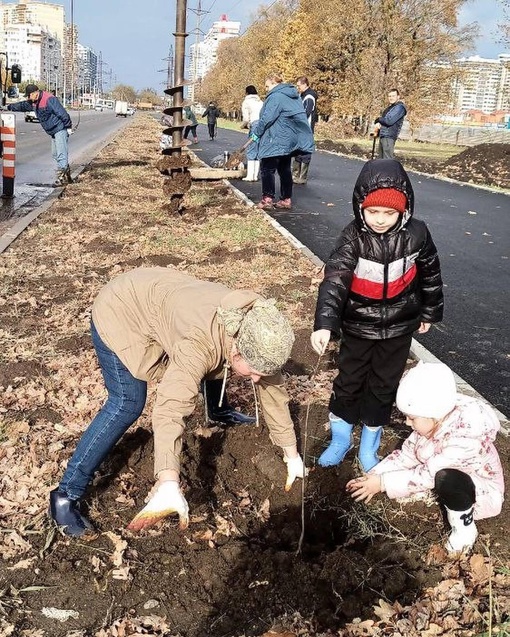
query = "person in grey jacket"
x=282 y=132
x=55 y=121
x=389 y=124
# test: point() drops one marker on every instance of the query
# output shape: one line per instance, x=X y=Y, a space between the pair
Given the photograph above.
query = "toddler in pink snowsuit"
x=451 y=451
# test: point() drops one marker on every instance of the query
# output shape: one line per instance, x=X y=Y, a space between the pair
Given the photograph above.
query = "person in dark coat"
x=212 y=114
x=55 y=121
x=389 y=124
x=301 y=163
x=282 y=132
x=381 y=283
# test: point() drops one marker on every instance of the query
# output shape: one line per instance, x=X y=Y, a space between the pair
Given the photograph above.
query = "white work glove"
x=319 y=340
x=295 y=469
x=70 y=131
x=166 y=499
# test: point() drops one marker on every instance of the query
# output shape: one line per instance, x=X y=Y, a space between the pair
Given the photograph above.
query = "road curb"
x=417 y=352
x=450 y=180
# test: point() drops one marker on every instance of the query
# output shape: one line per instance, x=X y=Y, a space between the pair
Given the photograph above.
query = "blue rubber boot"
x=340 y=442
x=369 y=446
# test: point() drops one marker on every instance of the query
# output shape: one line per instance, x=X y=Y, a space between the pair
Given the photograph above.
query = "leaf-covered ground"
x=362 y=570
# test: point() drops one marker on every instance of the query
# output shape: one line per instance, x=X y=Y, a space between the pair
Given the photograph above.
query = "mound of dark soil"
x=486 y=163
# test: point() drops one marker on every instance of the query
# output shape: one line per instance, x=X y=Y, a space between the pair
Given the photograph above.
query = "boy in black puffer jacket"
x=381 y=283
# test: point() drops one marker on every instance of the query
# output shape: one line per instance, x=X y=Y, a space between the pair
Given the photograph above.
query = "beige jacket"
x=162 y=325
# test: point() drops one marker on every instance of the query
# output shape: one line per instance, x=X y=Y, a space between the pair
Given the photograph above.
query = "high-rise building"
x=484 y=84
x=204 y=54
x=47 y=15
x=32 y=35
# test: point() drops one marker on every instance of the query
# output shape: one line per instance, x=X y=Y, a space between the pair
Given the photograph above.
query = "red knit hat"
x=387 y=197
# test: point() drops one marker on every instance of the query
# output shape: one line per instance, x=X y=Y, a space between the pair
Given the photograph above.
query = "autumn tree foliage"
x=352 y=52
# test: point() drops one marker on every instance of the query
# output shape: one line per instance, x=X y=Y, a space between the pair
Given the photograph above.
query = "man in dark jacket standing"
x=212 y=114
x=55 y=121
x=389 y=124
x=301 y=163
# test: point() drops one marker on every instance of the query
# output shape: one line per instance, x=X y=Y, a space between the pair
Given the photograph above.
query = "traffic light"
x=15 y=73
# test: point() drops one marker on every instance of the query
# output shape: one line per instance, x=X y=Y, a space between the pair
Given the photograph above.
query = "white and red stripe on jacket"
x=368 y=277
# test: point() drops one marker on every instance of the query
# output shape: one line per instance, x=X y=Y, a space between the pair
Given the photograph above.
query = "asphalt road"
x=471 y=229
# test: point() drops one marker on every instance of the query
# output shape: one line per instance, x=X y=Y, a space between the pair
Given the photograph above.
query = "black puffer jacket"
x=380 y=286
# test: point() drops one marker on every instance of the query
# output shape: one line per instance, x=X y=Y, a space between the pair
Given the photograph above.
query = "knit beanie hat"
x=427 y=390
x=263 y=335
x=387 y=197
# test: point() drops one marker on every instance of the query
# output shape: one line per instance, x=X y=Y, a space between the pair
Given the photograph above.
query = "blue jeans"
x=125 y=402
x=59 y=143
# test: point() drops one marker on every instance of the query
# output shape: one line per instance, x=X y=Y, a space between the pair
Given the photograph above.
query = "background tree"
x=149 y=95
x=124 y=93
x=351 y=52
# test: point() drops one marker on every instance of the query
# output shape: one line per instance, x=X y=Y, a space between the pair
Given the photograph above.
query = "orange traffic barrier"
x=8 y=139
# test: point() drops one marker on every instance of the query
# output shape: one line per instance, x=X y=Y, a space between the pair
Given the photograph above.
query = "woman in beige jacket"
x=160 y=324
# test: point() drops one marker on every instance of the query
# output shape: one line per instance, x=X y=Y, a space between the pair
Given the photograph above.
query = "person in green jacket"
x=191 y=128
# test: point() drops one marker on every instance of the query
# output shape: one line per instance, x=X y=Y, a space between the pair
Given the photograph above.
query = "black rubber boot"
x=66 y=514
x=225 y=414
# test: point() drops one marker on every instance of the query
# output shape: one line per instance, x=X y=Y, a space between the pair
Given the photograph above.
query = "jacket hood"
x=252 y=98
x=382 y=173
x=289 y=90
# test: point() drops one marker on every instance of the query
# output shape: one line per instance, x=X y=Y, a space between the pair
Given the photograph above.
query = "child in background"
x=451 y=450
x=381 y=283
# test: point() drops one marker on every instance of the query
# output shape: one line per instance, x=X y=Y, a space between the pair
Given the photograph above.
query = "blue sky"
x=134 y=44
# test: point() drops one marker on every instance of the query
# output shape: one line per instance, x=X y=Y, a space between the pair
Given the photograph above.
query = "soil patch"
x=485 y=164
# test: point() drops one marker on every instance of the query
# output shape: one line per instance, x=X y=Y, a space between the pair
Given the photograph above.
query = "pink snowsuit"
x=464 y=441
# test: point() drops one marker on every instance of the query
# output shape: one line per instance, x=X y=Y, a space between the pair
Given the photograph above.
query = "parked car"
x=131 y=110
x=30 y=116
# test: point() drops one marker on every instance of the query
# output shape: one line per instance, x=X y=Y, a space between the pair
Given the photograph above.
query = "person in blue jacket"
x=55 y=121
x=282 y=132
x=389 y=124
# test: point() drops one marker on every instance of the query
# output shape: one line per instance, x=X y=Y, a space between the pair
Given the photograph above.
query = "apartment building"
x=204 y=54
x=483 y=85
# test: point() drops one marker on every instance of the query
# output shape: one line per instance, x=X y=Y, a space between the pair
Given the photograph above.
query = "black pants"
x=369 y=373
x=192 y=130
x=212 y=129
x=268 y=167
x=454 y=489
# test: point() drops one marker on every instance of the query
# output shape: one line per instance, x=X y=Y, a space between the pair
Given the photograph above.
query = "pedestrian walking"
x=191 y=128
x=389 y=124
x=160 y=324
x=250 y=108
x=301 y=163
x=449 y=454
x=212 y=114
x=381 y=283
x=55 y=121
x=282 y=132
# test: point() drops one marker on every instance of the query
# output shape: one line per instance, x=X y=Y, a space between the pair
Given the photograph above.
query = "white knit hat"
x=427 y=390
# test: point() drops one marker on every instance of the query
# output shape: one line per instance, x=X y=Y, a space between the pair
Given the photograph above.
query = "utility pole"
x=197 y=31
x=72 y=52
